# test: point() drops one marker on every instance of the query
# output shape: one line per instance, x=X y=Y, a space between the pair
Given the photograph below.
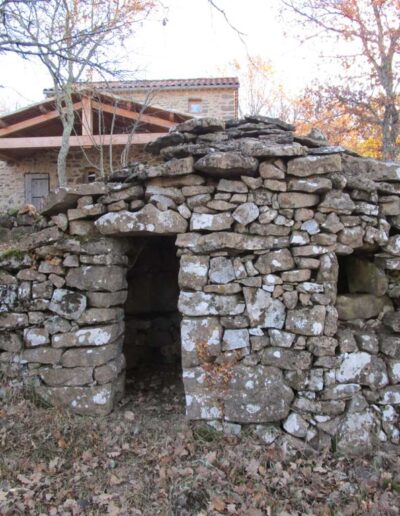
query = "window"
x=36 y=189
x=195 y=106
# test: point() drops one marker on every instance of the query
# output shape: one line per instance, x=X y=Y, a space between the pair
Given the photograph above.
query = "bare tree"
x=367 y=37
x=70 y=38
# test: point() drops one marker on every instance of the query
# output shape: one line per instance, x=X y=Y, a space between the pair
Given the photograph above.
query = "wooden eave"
x=39 y=126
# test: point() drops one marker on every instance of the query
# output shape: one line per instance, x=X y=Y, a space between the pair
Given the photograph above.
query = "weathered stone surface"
x=97 y=278
x=110 y=371
x=336 y=201
x=200 y=126
x=221 y=270
x=296 y=425
x=306 y=321
x=200 y=340
x=229 y=186
x=173 y=167
x=31 y=275
x=13 y=320
x=392 y=321
x=297 y=200
x=390 y=345
x=322 y=346
x=352 y=237
x=393 y=245
x=94 y=336
x=91 y=210
x=149 y=220
x=363 y=368
x=227 y=164
x=263 y=310
x=390 y=395
x=193 y=272
x=11 y=342
x=209 y=222
x=281 y=339
x=223 y=241
x=67 y=303
x=235 y=339
x=265 y=149
x=42 y=355
x=62 y=376
x=34 y=337
x=246 y=213
x=63 y=198
x=286 y=358
x=107 y=299
x=355 y=435
x=310 y=185
x=314 y=165
x=273 y=261
x=199 y=303
x=89 y=357
x=86 y=401
x=360 y=306
x=257 y=395
x=100 y=316
x=123 y=192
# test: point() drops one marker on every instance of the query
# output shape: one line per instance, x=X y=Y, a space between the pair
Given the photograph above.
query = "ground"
x=145 y=458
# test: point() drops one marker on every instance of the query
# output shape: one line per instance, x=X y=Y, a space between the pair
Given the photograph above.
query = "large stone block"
x=97 y=278
x=263 y=310
x=199 y=303
x=42 y=355
x=13 y=320
x=89 y=357
x=314 y=165
x=107 y=299
x=193 y=272
x=149 y=220
x=11 y=342
x=210 y=222
x=200 y=340
x=67 y=303
x=227 y=164
x=257 y=395
x=357 y=434
x=274 y=261
x=297 y=200
x=94 y=336
x=363 y=368
x=392 y=321
x=97 y=400
x=65 y=376
x=286 y=358
x=306 y=321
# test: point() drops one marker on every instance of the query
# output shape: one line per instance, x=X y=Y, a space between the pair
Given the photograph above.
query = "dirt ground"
x=146 y=459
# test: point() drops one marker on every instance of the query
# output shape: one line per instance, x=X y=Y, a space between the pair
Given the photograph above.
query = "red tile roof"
x=202 y=82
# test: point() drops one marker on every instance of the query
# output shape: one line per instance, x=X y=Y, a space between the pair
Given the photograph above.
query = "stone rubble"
x=289 y=284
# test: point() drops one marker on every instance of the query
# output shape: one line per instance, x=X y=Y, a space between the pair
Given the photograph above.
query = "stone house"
x=105 y=114
x=264 y=265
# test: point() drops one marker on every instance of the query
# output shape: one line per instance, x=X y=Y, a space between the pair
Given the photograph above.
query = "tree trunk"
x=390 y=133
x=67 y=119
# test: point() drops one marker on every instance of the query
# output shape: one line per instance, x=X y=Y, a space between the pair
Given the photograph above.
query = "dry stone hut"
x=278 y=256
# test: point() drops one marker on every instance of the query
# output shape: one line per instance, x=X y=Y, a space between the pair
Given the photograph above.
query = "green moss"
x=12 y=253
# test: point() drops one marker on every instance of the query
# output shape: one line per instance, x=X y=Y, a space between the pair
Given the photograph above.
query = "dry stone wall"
x=289 y=262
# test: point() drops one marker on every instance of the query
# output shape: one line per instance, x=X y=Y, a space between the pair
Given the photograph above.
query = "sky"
x=196 y=41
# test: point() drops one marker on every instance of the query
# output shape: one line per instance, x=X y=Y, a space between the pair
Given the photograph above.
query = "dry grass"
x=146 y=459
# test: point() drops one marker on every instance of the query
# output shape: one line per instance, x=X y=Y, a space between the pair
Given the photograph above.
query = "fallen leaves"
x=145 y=459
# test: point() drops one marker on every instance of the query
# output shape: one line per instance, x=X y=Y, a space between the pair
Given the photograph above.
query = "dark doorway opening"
x=152 y=322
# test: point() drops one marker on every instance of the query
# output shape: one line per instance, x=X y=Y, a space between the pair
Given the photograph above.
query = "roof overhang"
x=100 y=119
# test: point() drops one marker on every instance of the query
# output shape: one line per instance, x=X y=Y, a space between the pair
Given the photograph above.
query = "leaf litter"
x=146 y=459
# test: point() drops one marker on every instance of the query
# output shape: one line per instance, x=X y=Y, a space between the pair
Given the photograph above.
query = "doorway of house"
x=152 y=322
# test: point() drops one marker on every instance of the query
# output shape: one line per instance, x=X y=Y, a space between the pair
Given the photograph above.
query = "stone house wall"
x=79 y=165
x=289 y=255
x=216 y=102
